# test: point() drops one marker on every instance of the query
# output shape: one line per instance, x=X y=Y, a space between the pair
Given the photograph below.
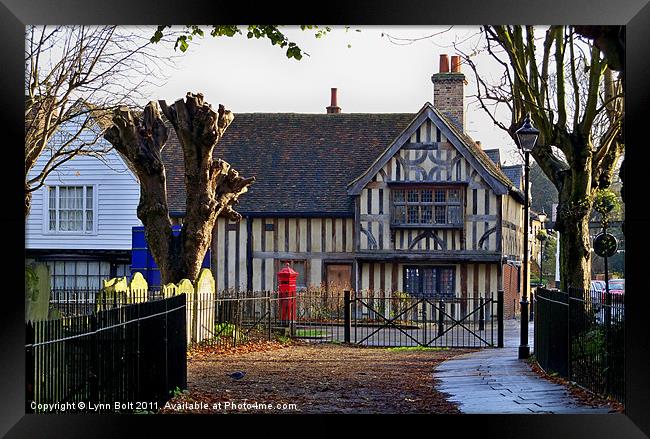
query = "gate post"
x=441 y=321
x=500 y=318
x=347 y=312
x=268 y=319
x=481 y=315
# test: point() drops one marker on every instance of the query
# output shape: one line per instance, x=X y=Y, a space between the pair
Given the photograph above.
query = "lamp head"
x=527 y=135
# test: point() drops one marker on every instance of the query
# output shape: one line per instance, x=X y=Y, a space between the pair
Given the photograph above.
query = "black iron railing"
x=84 y=301
x=581 y=336
x=125 y=359
x=236 y=317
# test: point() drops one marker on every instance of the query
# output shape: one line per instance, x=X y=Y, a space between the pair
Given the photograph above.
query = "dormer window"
x=427 y=206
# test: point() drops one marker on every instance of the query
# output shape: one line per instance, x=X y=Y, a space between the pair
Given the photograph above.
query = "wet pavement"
x=494 y=380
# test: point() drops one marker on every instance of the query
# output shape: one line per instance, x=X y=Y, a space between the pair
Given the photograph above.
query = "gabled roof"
x=302 y=162
x=463 y=143
x=495 y=155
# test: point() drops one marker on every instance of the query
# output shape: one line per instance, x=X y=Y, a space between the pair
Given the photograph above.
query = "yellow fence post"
x=114 y=291
x=186 y=287
x=203 y=316
x=138 y=289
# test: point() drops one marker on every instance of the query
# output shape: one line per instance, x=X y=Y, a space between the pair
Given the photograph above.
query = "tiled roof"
x=302 y=162
x=494 y=155
x=514 y=173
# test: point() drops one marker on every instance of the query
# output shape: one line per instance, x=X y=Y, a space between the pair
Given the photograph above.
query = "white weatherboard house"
x=81 y=218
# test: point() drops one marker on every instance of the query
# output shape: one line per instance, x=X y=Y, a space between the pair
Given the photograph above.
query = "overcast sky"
x=373 y=75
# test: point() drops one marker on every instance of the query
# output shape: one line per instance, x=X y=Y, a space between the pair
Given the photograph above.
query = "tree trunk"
x=140 y=141
x=212 y=186
x=575 y=255
x=573 y=213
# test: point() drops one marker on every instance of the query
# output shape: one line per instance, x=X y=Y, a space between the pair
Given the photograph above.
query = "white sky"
x=372 y=76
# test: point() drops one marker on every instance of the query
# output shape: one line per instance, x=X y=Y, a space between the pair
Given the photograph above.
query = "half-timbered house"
x=372 y=202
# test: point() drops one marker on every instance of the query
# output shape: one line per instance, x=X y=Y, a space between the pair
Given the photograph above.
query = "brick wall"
x=449 y=95
x=511 y=293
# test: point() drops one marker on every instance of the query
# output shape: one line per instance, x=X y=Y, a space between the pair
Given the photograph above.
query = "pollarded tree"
x=577 y=104
x=212 y=186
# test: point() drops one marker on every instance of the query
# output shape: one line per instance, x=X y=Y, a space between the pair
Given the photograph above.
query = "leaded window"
x=430 y=282
x=441 y=206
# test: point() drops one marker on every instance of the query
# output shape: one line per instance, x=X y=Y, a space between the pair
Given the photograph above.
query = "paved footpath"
x=496 y=381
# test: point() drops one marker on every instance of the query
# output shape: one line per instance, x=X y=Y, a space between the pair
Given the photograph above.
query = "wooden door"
x=339 y=277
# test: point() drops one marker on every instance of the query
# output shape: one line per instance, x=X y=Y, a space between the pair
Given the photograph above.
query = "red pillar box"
x=287 y=293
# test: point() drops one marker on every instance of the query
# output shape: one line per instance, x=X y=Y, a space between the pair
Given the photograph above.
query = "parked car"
x=596 y=292
x=616 y=290
x=617 y=294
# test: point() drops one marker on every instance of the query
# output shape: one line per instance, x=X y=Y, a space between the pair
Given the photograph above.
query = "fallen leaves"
x=580 y=394
x=201 y=352
x=317 y=378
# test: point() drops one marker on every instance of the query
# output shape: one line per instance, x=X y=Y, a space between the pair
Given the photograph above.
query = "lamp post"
x=527 y=137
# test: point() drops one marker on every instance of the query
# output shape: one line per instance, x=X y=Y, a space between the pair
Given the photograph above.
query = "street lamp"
x=527 y=137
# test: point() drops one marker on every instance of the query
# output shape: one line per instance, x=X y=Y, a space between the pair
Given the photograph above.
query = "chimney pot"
x=333 y=108
x=478 y=142
x=444 y=63
x=455 y=64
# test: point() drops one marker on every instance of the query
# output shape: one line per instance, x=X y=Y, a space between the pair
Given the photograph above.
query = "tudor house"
x=372 y=202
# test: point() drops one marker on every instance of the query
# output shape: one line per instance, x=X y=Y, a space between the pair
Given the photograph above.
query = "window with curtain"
x=71 y=209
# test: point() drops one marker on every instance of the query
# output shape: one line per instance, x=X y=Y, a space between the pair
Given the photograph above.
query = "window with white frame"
x=85 y=274
x=71 y=209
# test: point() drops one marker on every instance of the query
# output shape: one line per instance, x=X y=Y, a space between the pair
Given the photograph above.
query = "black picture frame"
x=635 y=14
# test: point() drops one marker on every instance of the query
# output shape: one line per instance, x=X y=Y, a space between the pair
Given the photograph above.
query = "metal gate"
x=400 y=320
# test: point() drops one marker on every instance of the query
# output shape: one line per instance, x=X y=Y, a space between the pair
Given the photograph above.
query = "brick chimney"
x=449 y=90
x=333 y=108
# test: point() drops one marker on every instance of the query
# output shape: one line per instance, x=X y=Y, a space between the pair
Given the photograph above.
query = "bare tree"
x=74 y=77
x=576 y=102
x=212 y=186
